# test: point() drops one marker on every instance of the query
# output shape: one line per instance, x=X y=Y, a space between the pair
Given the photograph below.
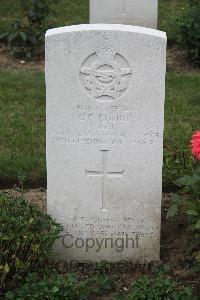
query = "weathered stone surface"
x=105 y=88
x=132 y=12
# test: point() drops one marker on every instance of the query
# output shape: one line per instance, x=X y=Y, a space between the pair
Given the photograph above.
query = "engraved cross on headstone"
x=103 y=174
x=124 y=11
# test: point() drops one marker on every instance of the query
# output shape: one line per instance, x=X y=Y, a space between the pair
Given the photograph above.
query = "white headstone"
x=132 y=12
x=105 y=88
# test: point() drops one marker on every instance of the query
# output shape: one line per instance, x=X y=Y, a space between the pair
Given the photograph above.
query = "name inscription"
x=103 y=125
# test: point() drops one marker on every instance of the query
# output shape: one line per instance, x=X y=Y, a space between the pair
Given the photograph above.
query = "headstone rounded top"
x=113 y=27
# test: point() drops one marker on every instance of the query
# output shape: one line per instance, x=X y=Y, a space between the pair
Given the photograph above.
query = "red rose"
x=196 y=145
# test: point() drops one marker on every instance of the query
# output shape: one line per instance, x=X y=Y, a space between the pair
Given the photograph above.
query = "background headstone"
x=132 y=12
x=105 y=87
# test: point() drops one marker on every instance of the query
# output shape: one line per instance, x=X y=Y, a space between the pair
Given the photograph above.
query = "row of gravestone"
x=105 y=89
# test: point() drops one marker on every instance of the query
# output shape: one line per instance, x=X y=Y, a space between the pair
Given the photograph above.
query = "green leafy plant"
x=188 y=201
x=47 y=284
x=52 y=287
x=161 y=287
x=37 y=11
x=102 y=283
x=177 y=161
x=21 y=180
x=19 y=39
x=188 y=30
x=26 y=237
x=25 y=37
x=188 y=198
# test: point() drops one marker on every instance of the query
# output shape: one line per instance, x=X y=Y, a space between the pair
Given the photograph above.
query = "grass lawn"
x=22 y=130
x=182 y=111
x=22 y=102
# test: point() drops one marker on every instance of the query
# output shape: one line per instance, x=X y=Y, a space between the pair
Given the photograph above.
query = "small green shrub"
x=188 y=31
x=16 y=37
x=25 y=37
x=159 y=288
x=52 y=287
x=26 y=237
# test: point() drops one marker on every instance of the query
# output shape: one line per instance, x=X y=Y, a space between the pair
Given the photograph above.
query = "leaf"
x=176 y=198
x=3 y=35
x=172 y=211
x=197 y=256
x=6 y=268
x=17 y=262
x=12 y=36
x=23 y=35
x=192 y=212
x=55 y=289
x=9 y=295
x=176 y=201
x=191 y=205
x=188 y=180
x=30 y=221
x=197 y=226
